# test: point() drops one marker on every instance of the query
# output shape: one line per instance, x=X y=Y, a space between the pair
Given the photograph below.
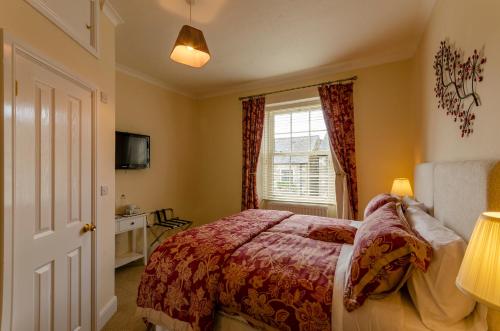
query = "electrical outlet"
x=104 y=190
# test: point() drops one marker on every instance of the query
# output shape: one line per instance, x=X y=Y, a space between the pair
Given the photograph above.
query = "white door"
x=52 y=200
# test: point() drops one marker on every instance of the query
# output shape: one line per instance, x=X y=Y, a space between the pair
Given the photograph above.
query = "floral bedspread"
x=300 y=224
x=257 y=264
x=283 y=281
x=181 y=279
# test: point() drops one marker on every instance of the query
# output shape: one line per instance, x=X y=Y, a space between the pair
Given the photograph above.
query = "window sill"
x=298 y=202
x=308 y=208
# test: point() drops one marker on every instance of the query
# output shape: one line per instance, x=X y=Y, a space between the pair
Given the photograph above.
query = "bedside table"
x=130 y=224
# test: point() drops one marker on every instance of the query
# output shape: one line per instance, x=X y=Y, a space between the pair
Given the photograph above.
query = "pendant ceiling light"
x=190 y=47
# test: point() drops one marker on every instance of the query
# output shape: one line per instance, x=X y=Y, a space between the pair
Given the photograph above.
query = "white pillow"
x=439 y=302
x=409 y=202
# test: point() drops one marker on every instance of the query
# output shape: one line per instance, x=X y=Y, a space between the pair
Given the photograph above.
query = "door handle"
x=89 y=227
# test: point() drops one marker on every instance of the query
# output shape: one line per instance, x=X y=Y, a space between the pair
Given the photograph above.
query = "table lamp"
x=479 y=274
x=401 y=187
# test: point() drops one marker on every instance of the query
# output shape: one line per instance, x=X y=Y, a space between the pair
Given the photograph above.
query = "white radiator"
x=298 y=208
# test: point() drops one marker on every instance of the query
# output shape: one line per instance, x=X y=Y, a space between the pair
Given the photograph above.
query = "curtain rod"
x=300 y=87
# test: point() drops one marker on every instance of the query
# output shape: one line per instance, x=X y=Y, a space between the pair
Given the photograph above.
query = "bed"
x=454 y=192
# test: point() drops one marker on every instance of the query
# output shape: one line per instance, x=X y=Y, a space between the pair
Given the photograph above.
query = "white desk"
x=130 y=224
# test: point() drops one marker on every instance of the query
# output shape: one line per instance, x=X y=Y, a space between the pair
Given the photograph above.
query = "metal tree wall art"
x=456 y=83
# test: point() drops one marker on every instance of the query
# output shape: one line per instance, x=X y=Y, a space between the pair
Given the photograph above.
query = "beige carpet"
x=126 y=282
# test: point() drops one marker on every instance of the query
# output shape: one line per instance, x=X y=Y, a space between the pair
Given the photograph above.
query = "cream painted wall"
x=471 y=25
x=21 y=21
x=172 y=122
x=384 y=136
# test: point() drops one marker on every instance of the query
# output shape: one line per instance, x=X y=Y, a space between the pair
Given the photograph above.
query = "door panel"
x=44 y=297
x=74 y=153
x=44 y=114
x=74 y=309
x=52 y=150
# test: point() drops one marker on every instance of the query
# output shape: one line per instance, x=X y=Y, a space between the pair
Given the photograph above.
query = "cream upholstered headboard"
x=458 y=192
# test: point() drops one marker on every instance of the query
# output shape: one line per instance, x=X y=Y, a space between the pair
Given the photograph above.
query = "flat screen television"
x=131 y=151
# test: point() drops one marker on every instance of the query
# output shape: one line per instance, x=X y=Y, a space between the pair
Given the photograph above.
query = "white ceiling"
x=252 y=40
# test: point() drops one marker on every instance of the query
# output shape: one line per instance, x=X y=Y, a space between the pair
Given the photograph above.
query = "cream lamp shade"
x=479 y=274
x=401 y=187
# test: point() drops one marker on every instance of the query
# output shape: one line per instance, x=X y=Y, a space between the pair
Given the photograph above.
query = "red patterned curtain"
x=253 y=127
x=338 y=111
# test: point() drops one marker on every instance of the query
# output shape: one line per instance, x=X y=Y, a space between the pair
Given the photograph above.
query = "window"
x=286 y=175
x=296 y=163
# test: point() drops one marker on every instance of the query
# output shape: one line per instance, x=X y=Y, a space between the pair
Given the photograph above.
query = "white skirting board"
x=107 y=312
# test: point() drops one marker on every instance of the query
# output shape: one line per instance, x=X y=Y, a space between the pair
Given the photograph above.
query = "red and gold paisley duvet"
x=242 y=264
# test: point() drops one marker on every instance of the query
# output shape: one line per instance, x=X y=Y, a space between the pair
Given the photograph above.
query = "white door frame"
x=11 y=46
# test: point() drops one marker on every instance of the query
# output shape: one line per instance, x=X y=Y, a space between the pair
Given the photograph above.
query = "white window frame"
x=265 y=168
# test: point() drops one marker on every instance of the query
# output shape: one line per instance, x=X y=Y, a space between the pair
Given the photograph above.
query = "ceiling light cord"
x=190 y=5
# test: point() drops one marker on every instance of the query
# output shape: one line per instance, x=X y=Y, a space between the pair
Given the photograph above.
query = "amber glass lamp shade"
x=190 y=48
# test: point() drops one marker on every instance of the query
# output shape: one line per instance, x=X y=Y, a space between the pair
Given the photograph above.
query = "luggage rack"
x=165 y=218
